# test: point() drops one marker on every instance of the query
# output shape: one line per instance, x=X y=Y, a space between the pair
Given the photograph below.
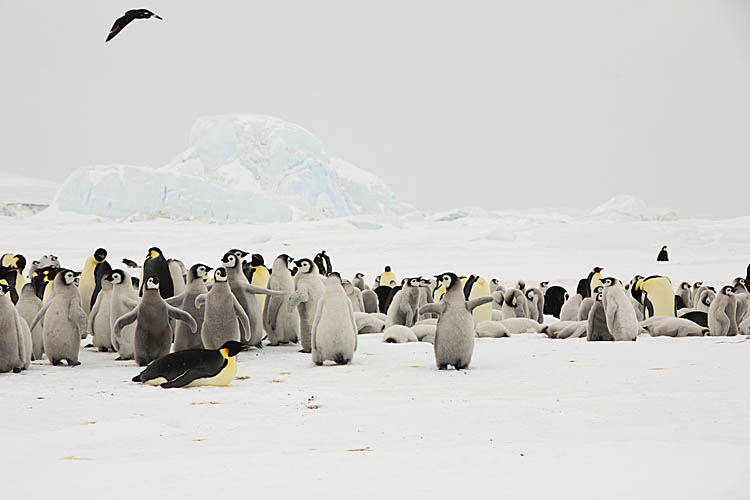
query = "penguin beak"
x=158 y=17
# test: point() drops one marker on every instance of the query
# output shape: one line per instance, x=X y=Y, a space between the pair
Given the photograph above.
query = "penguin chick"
x=334 y=331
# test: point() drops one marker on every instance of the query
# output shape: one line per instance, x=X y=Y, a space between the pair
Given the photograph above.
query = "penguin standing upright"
x=621 y=319
x=323 y=262
x=594 y=280
x=656 y=294
x=13 y=275
x=258 y=275
x=156 y=265
x=15 y=336
x=308 y=290
x=28 y=306
x=223 y=314
x=334 y=332
x=663 y=255
x=281 y=322
x=184 y=338
x=386 y=277
x=94 y=270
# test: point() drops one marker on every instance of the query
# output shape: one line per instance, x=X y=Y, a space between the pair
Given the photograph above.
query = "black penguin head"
x=449 y=280
x=305 y=266
x=413 y=281
x=359 y=275
x=521 y=285
x=20 y=262
x=335 y=277
x=598 y=293
x=727 y=290
x=609 y=281
x=231 y=348
x=152 y=283
x=685 y=285
x=597 y=270
x=530 y=294
x=220 y=274
x=707 y=298
x=230 y=259
x=256 y=259
x=100 y=255
x=664 y=248
x=116 y=276
x=543 y=284
x=698 y=284
x=240 y=254
x=388 y=269
x=153 y=253
x=199 y=271
x=286 y=259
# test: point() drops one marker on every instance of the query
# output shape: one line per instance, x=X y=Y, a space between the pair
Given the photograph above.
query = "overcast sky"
x=452 y=103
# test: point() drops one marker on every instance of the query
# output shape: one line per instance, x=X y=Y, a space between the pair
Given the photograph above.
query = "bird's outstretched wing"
x=119 y=25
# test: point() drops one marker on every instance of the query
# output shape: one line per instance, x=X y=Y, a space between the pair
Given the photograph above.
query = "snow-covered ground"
x=532 y=417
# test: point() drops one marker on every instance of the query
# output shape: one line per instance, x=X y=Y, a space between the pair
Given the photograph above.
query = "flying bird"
x=125 y=20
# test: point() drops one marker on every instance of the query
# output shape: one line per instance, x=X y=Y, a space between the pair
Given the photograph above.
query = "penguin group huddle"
x=188 y=324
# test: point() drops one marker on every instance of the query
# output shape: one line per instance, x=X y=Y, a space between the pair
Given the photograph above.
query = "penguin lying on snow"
x=194 y=367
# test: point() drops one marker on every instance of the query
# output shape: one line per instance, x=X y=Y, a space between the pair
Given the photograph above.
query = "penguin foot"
x=88 y=346
x=73 y=363
x=16 y=370
x=442 y=367
x=305 y=351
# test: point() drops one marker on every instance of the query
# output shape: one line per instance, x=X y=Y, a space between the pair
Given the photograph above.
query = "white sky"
x=452 y=103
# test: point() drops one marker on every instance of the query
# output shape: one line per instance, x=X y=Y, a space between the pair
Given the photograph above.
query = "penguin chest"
x=224 y=377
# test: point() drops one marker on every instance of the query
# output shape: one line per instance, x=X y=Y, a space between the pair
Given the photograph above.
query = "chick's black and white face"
x=608 y=281
x=304 y=266
x=414 y=282
x=220 y=274
x=116 y=277
x=69 y=277
x=447 y=281
x=359 y=275
x=230 y=260
x=727 y=290
x=152 y=283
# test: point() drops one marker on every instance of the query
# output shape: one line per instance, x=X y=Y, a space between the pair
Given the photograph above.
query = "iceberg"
x=236 y=168
x=629 y=207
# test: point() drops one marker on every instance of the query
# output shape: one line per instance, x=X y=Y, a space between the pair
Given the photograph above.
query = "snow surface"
x=532 y=417
x=255 y=168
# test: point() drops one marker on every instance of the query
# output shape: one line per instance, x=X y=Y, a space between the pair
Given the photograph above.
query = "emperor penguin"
x=124 y=299
x=722 y=320
x=49 y=261
x=184 y=337
x=672 y=327
x=594 y=280
x=491 y=329
x=94 y=270
x=621 y=320
x=359 y=282
x=596 y=324
x=656 y=294
x=153 y=335
x=454 y=337
x=425 y=294
x=404 y=309
x=515 y=304
x=258 y=275
x=566 y=330
x=323 y=263
x=281 y=321
x=684 y=292
x=370 y=301
x=223 y=314
x=663 y=255
x=15 y=336
x=334 y=331
x=386 y=277
x=705 y=297
x=384 y=294
x=28 y=306
x=156 y=265
x=585 y=308
x=15 y=265
x=99 y=318
x=178 y=273
x=308 y=290
x=194 y=367
x=367 y=323
x=535 y=297
x=554 y=298
x=476 y=287
x=245 y=293
x=63 y=321
x=355 y=296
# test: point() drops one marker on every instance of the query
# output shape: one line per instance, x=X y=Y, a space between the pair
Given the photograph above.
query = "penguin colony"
x=186 y=325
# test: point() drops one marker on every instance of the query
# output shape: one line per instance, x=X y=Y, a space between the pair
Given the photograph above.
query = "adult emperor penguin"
x=621 y=320
x=355 y=296
x=94 y=270
x=404 y=309
x=223 y=314
x=184 y=337
x=596 y=326
x=722 y=318
x=323 y=262
x=15 y=265
x=685 y=293
x=156 y=265
x=257 y=274
x=281 y=321
x=245 y=293
x=387 y=277
x=334 y=331
x=657 y=296
x=194 y=367
x=359 y=282
x=28 y=306
x=99 y=318
x=554 y=298
x=663 y=255
x=308 y=290
x=454 y=337
x=476 y=287
x=594 y=280
x=63 y=321
x=384 y=294
x=124 y=299
x=153 y=335
x=15 y=336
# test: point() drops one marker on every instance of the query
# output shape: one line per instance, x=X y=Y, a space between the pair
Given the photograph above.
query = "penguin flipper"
x=21 y=343
x=472 y=304
x=200 y=300
x=191 y=375
x=181 y=315
x=124 y=321
x=40 y=315
x=177 y=300
x=434 y=308
x=257 y=290
x=241 y=316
